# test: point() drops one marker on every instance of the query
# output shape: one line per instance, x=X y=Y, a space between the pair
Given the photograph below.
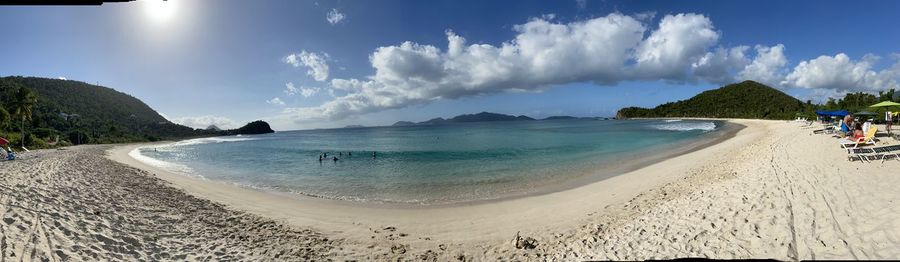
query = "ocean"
x=426 y=165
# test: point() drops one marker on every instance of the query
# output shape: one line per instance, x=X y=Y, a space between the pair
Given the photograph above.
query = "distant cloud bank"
x=682 y=48
x=205 y=121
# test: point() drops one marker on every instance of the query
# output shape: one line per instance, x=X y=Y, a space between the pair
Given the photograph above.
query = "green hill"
x=747 y=99
x=78 y=112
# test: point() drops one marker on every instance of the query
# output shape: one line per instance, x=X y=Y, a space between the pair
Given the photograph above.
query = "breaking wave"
x=686 y=126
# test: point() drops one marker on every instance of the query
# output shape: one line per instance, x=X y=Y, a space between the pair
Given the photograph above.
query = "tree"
x=22 y=107
x=4 y=118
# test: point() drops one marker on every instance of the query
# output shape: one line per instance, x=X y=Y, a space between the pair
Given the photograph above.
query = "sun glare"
x=159 y=11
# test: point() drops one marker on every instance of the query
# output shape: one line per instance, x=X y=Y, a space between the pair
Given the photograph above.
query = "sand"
x=774 y=190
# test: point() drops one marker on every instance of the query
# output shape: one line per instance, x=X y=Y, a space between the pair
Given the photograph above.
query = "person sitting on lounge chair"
x=857 y=132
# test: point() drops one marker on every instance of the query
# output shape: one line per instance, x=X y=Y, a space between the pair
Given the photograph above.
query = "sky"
x=322 y=64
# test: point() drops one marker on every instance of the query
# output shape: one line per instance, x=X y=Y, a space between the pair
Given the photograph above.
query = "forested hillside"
x=75 y=112
x=747 y=99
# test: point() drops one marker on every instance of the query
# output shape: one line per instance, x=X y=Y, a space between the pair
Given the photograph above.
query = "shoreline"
x=589 y=174
x=497 y=220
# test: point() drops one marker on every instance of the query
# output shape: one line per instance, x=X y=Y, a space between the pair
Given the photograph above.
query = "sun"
x=160 y=11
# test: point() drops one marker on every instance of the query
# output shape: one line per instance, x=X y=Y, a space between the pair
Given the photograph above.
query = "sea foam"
x=168 y=166
x=210 y=140
x=686 y=126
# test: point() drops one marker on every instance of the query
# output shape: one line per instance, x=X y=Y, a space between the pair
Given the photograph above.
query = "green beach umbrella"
x=885 y=103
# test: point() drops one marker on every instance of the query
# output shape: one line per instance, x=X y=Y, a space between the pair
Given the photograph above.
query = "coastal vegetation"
x=42 y=112
x=747 y=99
x=753 y=100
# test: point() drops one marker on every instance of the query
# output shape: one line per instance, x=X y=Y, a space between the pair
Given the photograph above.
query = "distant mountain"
x=747 y=99
x=434 y=121
x=403 y=123
x=560 y=118
x=213 y=128
x=467 y=118
x=79 y=112
x=486 y=116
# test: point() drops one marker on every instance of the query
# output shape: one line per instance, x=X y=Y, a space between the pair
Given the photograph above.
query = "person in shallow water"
x=335 y=159
x=349 y=153
x=320 y=158
x=373 y=154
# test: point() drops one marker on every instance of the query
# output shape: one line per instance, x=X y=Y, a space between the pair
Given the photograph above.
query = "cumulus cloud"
x=768 y=66
x=681 y=48
x=334 y=16
x=719 y=66
x=316 y=64
x=61 y=78
x=669 y=51
x=840 y=73
x=275 y=101
x=206 y=121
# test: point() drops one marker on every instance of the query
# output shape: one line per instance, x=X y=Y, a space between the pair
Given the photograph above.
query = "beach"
x=773 y=190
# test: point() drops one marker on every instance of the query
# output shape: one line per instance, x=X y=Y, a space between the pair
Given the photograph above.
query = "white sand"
x=772 y=191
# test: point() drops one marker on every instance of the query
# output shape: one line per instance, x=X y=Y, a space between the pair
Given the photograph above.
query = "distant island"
x=252 y=128
x=355 y=126
x=487 y=117
x=748 y=99
x=65 y=112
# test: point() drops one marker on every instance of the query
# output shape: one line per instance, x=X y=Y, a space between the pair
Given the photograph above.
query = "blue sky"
x=226 y=62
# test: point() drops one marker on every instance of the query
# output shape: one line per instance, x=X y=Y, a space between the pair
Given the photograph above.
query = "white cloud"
x=670 y=50
x=315 y=62
x=334 y=16
x=205 y=121
x=682 y=48
x=720 y=65
x=840 y=73
x=768 y=67
x=275 y=101
x=308 y=91
x=304 y=91
x=61 y=78
x=290 y=89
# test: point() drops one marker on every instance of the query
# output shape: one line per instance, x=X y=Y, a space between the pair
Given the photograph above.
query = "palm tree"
x=22 y=105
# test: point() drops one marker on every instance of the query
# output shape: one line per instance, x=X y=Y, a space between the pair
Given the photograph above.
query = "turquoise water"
x=426 y=164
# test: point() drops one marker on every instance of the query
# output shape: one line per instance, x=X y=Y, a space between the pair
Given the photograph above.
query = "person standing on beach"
x=888 y=121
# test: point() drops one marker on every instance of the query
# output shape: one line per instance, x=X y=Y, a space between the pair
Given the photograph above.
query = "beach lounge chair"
x=866 y=154
x=869 y=139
